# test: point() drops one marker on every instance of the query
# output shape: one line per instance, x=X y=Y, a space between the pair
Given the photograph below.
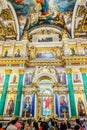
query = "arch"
x=41 y=76
x=79 y=2
x=15 y=19
x=57 y=30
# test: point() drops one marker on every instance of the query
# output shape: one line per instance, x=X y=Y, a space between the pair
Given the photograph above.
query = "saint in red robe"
x=18 y=1
x=47 y=102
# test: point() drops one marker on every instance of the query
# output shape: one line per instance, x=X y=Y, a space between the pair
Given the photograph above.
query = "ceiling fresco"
x=32 y=13
x=80 y=20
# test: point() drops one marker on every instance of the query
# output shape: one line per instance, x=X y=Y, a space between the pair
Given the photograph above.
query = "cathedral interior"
x=43 y=58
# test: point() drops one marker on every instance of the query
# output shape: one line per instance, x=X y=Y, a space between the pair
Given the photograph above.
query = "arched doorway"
x=44 y=79
x=45 y=97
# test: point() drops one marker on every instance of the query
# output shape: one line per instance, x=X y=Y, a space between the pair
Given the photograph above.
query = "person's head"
x=52 y=123
x=0 y=125
x=30 y=122
x=62 y=98
x=68 y=125
x=78 y=121
x=13 y=122
x=16 y=119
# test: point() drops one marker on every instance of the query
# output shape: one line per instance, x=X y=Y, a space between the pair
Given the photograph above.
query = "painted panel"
x=76 y=77
x=46 y=106
x=14 y=77
x=27 y=106
x=81 y=104
x=10 y=105
x=63 y=105
x=28 y=77
x=45 y=55
x=61 y=78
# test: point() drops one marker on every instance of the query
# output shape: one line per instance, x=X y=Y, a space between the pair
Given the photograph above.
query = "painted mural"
x=14 y=78
x=45 y=39
x=46 y=106
x=76 y=77
x=28 y=77
x=61 y=78
x=80 y=20
x=27 y=106
x=63 y=103
x=81 y=107
x=37 y=12
x=10 y=103
x=45 y=55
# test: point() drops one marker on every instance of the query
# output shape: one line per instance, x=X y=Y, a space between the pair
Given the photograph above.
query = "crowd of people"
x=49 y=124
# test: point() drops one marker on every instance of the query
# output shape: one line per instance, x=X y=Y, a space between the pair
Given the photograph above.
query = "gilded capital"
x=21 y=71
x=34 y=85
x=8 y=71
x=55 y=85
x=69 y=70
x=83 y=70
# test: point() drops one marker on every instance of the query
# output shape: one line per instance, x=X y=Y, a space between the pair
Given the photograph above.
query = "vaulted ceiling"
x=20 y=16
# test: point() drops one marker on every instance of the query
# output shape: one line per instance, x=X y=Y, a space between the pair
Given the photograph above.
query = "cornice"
x=75 y=60
x=13 y=61
x=47 y=62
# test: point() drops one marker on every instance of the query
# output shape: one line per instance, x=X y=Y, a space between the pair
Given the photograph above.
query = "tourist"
x=77 y=126
x=68 y=125
x=17 y=124
x=29 y=125
x=84 y=124
x=53 y=127
x=63 y=126
x=35 y=124
x=41 y=127
x=1 y=126
x=12 y=126
x=26 y=127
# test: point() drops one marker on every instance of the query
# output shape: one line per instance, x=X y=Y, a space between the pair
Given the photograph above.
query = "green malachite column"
x=71 y=93
x=84 y=78
x=19 y=93
x=4 y=92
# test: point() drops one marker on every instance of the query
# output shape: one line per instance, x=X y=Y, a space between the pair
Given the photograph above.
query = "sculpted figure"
x=32 y=52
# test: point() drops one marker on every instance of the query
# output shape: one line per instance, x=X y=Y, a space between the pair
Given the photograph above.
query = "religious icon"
x=44 y=5
x=27 y=107
x=72 y=51
x=6 y=53
x=17 y=54
x=28 y=78
x=76 y=77
x=14 y=80
x=63 y=106
x=81 y=107
x=62 y=78
x=18 y=1
x=10 y=107
x=46 y=106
